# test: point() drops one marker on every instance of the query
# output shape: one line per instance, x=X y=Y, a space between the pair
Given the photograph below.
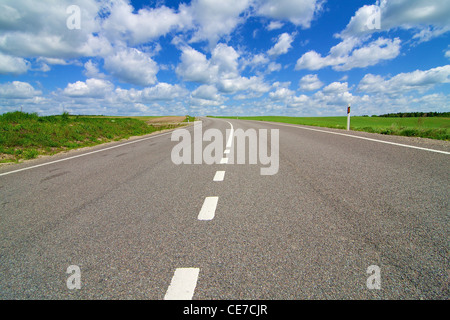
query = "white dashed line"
x=224 y=161
x=220 y=175
x=183 y=284
x=208 y=209
x=227 y=151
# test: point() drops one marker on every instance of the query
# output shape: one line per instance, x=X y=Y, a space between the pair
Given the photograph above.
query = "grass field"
x=25 y=135
x=424 y=127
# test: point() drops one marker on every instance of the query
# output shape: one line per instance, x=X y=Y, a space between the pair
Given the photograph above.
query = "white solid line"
x=208 y=209
x=220 y=175
x=183 y=284
x=84 y=154
x=358 y=137
x=224 y=161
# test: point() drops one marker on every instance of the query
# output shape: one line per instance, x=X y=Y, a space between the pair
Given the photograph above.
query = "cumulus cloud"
x=91 y=70
x=347 y=55
x=13 y=65
x=273 y=25
x=39 y=29
x=426 y=18
x=147 y=24
x=282 y=46
x=160 y=92
x=194 y=66
x=18 y=90
x=214 y=19
x=91 y=88
x=299 y=12
x=221 y=70
x=132 y=66
x=417 y=80
x=310 y=82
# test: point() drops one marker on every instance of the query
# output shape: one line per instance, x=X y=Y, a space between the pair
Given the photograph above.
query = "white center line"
x=208 y=209
x=220 y=175
x=230 y=137
x=183 y=284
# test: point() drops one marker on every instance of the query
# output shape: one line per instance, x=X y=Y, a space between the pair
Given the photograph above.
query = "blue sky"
x=230 y=57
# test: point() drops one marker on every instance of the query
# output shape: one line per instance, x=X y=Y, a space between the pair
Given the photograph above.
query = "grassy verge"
x=424 y=127
x=26 y=136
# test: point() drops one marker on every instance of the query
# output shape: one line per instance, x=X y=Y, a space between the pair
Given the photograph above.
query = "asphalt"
x=127 y=216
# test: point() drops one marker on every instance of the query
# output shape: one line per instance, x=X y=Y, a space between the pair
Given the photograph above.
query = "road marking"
x=208 y=209
x=227 y=151
x=220 y=175
x=358 y=137
x=84 y=154
x=230 y=137
x=224 y=161
x=183 y=284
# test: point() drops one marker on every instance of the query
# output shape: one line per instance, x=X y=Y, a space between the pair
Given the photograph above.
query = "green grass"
x=426 y=127
x=191 y=119
x=25 y=135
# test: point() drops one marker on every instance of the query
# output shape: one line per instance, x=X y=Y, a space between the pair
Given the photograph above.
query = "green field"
x=424 y=127
x=25 y=135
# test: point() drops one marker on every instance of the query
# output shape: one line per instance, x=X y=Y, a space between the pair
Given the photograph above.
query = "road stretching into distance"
x=140 y=227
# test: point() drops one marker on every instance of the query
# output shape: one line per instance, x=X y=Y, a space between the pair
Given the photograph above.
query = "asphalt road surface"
x=131 y=220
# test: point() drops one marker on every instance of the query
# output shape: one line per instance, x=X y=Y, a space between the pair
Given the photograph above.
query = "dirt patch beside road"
x=165 y=120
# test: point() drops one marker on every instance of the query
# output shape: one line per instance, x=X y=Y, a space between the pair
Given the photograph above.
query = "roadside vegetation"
x=425 y=127
x=27 y=135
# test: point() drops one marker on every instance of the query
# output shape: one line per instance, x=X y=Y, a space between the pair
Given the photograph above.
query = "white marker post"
x=348 y=118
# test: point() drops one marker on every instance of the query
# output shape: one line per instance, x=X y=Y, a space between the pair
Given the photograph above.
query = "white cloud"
x=344 y=56
x=299 y=12
x=91 y=70
x=274 y=25
x=282 y=46
x=336 y=87
x=194 y=66
x=147 y=24
x=160 y=92
x=39 y=29
x=18 y=90
x=426 y=18
x=417 y=80
x=91 y=88
x=214 y=19
x=273 y=66
x=163 y=91
x=281 y=94
x=206 y=92
x=14 y=65
x=221 y=70
x=132 y=66
x=310 y=82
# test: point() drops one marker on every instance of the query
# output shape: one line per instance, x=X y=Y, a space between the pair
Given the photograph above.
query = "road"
x=129 y=218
